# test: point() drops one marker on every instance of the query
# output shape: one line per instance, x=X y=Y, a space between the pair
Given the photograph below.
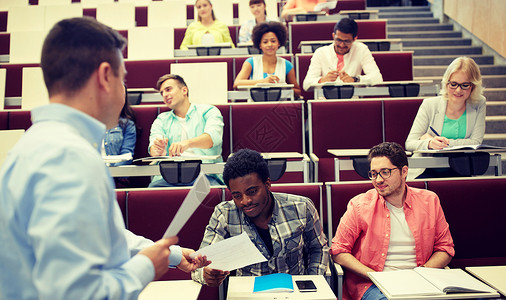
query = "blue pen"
x=433 y=130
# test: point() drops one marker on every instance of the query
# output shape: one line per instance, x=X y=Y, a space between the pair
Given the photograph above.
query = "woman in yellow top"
x=207 y=30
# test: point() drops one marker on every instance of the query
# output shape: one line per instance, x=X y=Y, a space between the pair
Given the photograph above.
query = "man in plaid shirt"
x=285 y=228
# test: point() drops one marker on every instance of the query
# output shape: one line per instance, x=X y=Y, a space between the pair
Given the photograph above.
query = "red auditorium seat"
x=348 y=5
x=399 y=115
x=20 y=119
x=474 y=209
x=271 y=127
x=5 y=43
x=313 y=191
x=145 y=73
x=14 y=78
x=334 y=124
x=4 y=120
x=395 y=65
x=150 y=212
x=121 y=198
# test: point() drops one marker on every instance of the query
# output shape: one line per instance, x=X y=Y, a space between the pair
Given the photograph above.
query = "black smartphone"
x=306 y=285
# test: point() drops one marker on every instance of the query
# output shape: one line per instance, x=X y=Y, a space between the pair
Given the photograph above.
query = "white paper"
x=117 y=158
x=321 y=6
x=232 y=253
x=195 y=196
x=403 y=283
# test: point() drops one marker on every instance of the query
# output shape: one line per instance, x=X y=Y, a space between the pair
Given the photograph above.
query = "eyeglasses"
x=384 y=173
x=465 y=85
x=346 y=42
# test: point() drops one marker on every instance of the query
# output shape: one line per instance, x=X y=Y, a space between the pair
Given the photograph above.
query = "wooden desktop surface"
x=241 y=287
x=495 y=276
x=171 y=289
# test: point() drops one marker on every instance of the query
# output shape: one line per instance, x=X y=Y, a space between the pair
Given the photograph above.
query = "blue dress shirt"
x=61 y=231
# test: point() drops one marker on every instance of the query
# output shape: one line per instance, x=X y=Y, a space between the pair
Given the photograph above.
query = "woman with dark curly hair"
x=268 y=68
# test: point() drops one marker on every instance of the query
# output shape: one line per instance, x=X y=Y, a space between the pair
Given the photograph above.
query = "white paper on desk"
x=232 y=253
x=195 y=196
x=117 y=158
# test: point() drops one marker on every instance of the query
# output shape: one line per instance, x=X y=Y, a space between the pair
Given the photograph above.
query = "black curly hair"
x=244 y=162
x=275 y=27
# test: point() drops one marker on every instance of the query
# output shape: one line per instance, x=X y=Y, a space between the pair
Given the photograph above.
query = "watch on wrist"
x=356 y=78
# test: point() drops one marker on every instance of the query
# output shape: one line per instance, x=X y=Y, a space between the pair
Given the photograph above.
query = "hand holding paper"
x=233 y=253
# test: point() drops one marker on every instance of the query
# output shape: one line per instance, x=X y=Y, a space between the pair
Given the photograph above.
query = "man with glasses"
x=343 y=60
x=390 y=227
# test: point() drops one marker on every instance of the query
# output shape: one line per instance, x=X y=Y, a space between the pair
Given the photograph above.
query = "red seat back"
x=399 y=116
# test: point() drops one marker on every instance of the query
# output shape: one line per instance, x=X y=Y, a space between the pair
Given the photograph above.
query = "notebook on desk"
x=427 y=282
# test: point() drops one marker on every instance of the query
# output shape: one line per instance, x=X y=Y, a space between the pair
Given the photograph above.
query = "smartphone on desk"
x=306 y=285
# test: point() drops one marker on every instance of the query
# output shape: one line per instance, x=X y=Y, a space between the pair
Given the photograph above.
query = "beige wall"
x=484 y=18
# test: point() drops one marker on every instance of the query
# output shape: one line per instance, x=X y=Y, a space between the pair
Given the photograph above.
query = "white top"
x=358 y=59
x=401 y=249
x=184 y=133
x=258 y=69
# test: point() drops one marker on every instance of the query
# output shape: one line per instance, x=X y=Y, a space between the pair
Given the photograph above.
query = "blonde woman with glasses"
x=455 y=118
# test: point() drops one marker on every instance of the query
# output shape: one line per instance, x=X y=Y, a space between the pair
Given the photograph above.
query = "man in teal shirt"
x=188 y=129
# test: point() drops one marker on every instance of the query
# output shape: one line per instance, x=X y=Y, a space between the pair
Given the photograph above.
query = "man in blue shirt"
x=188 y=129
x=61 y=231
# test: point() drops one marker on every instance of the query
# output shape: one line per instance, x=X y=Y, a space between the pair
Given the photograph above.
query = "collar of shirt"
x=409 y=200
x=191 y=110
x=88 y=127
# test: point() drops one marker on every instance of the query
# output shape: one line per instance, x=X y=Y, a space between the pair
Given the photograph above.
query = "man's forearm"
x=439 y=259
x=349 y=262
x=202 y=141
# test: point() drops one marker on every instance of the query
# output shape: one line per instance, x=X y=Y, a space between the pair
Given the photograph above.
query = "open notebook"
x=427 y=281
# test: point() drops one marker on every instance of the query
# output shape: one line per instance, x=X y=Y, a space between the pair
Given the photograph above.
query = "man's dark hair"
x=275 y=27
x=166 y=77
x=244 y=162
x=393 y=151
x=179 y=79
x=74 y=49
x=347 y=25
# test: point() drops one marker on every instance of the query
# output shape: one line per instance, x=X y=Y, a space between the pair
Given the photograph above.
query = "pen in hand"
x=433 y=130
x=440 y=139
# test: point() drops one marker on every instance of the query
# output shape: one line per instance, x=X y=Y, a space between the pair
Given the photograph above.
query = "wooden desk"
x=244 y=91
x=495 y=276
x=307 y=46
x=343 y=160
x=241 y=287
x=427 y=87
x=296 y=162
x=172 y=289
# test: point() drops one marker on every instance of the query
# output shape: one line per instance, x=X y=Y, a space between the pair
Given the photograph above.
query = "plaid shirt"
x=295 y=229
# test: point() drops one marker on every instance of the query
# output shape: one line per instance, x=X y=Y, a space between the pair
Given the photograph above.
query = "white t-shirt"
x=401 y=249
x=184 y=134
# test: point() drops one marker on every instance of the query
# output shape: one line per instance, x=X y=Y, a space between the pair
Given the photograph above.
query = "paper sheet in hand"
x=232 y=253
x=195 y=196
x=322 y=5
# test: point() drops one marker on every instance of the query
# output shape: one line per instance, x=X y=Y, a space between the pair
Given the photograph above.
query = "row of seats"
x=476 y=228
x=394 y=66
x=280 y=127
x=141 y=12
x=297 y=32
